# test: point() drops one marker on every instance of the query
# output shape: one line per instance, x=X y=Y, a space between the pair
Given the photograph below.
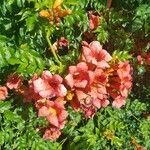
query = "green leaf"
x=4 y=105
x=30 y=22
x=1 y=138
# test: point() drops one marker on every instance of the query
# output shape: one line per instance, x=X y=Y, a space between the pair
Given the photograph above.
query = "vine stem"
x=53 y=51
x=109 y=2
x=135 y=117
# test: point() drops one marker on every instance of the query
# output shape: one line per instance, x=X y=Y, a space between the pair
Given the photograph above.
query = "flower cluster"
x=94 y=79
x=14 y=81
x=88 y=79
x=120 y=82
x=48 y=93
x=95 y=82
x=93 y=21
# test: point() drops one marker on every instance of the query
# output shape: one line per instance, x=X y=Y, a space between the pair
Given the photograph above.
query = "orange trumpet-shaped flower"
x=3 y=92
x=52 y=133
x=14 y=81
x=44 y=14
x=55 y=14
x=54 y=111
x=57 y=3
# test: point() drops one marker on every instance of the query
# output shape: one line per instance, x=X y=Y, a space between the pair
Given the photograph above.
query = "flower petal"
x=53 y=120
x=43 y=112
x=81 y=95
x=69 y=80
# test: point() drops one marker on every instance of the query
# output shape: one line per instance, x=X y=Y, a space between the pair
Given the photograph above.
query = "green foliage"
x=98 y=5
x=101 y=31
x=112 y=129
x=121 y=55
x=6 y=52
x=102 y=34
x=27 y=60
x=141 y=19
x=74 y=25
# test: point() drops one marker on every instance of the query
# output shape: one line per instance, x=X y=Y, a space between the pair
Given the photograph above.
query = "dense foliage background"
x=25 y=38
